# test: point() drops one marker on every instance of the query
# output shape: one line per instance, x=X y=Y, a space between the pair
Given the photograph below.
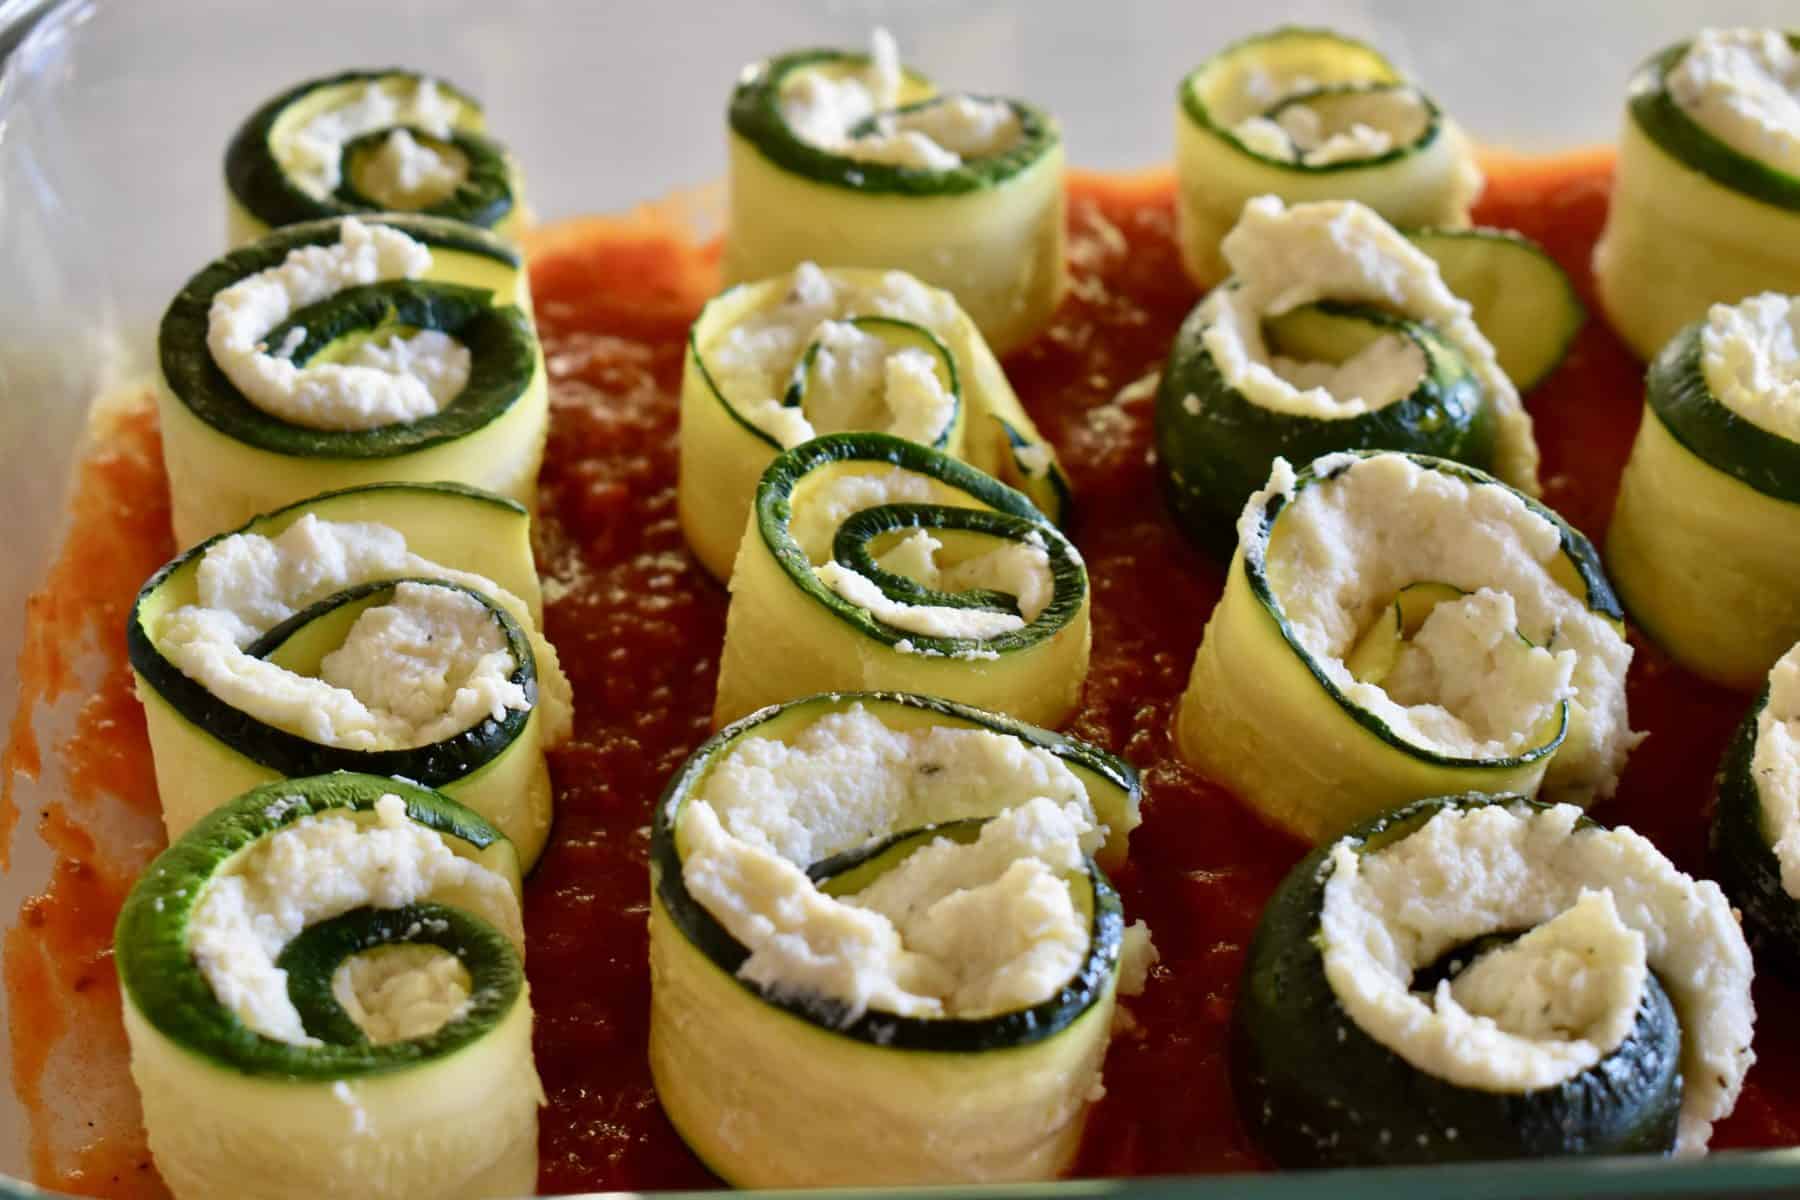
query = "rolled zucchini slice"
x=1707 y=524
x=324 y=995
x=1755 y=852
x=851 y=160
x=1705 y=204
x=342 y=352
x=367 y=142
x=1395 y=627
x=1334 y=332
x=815 y=351
x=391 y=630
x=881 y=950
x=1478 y=977
x=871 y=562
x=1304 y=115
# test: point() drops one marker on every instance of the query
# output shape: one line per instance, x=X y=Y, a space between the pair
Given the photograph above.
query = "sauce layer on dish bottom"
x=639 y=625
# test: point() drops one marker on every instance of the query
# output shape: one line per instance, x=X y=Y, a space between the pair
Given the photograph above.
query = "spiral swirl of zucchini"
x=772 y=364
x=324 y=996
x=344 y=352
x=1705 y=205
x=1307 y=114
x=1706 y=529
x=871 y=562
x=1756 y=824
x=851 y=160
x=391 y=630
x=1479 y=977
x=1439 y=631
x=369 y=141
x=881 y=952
x=1337 y=332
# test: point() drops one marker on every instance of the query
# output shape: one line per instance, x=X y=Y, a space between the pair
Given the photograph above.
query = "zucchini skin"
x=1314 y=1090
x=1743 y=859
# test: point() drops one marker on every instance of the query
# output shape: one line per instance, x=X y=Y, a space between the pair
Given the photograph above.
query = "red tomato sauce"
x=638 y=625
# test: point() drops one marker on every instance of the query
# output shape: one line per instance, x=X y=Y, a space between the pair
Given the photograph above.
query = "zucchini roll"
x=771 y=364
x=344 y=352
x=1336 y=332
x=881 y=951
x=1706 y=529
x=871 y=562
x=1705 y=204
x=851 y=160
x=1756 y=825
x=1480 y=978
x=391 y=629
x=369 y=141
x=1307 y=114
x=1395 y=626
x=325 y=996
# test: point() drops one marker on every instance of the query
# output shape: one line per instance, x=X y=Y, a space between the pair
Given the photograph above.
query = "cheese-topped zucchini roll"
x=851 y=160
x=1335 y=331
x=1395 y=626
x=325 y=996
x=870 y=562
x=344 y=352
x=881 y=951
x=1706 y=530
x=391 y=629
x=814 y=351
x=1705 y=202
x=369 y=141
x=1479 y=978
x=1307 y=114
x=1756 y=825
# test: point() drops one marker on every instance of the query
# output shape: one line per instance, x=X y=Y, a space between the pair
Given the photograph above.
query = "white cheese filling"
x=1775 y=768
x=1604 y=907
x=401 y=992
x=405 y=174
x=383 y=381
x=1750 y=358
x=318 y=868
x=1743 y=87
x=1358 y=128
x=956 y=929
x=414 y=670
x=1019 y=569
x=861 y=382
x=312 y=155
x=1346 y=545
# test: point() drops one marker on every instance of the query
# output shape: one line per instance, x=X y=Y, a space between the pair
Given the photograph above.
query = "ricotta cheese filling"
x=1775 y=767
x=1343 y=548
x=1750 y=358
x=401 y=992
x=321 y=867
x=1602 y=908
x=1018 y=569
x=405 y=174
x=1743 y=87
x=1355 y=128
x=859 y=380
x=419 y=668
x=384 y=380
x=312 y=155
x=956 y=929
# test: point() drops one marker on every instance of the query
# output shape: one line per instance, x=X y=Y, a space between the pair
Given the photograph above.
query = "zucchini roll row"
x=872 y=562
x=1706 y=529
x=1705 y=203
x=852 y=160
x=344 y=352
x=391 y=629
x=1394 y=627
x=772 y=364
x=1756 y=825
x=1306 y=114
x=1490 y=977
x=881 y=949
x=325 y=996
x=368 y=141
x=1337 y=332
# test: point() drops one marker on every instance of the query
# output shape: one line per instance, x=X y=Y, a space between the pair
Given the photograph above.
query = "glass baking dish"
x=114 y=115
